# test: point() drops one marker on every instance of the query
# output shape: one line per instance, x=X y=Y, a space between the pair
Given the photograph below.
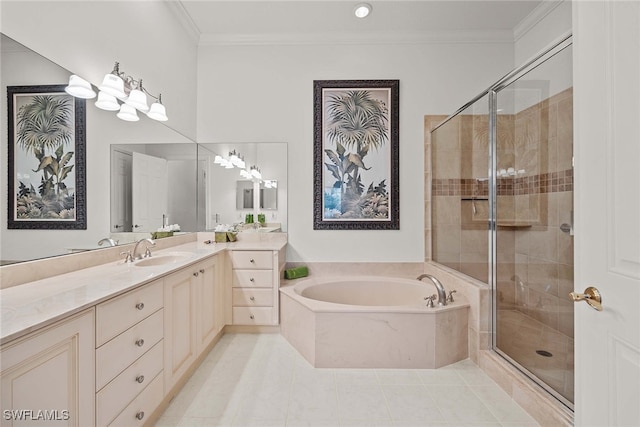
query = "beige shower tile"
x=543 y=243
x=565 y=248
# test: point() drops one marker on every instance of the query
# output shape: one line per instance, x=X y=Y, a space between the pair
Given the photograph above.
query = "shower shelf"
x=514 y=224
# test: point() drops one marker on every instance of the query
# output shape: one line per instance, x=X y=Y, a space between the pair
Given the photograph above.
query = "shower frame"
x=492 y=93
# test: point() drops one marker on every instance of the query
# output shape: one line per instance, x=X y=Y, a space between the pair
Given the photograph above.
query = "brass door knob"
x=591 y=296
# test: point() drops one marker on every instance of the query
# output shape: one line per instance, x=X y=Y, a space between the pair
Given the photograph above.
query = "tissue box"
x=161 y=234
x=225 y=236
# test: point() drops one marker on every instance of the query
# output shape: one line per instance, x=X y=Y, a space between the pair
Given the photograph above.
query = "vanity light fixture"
x=80 y=88
x=127 y=113
x=117 y=85
x=255 y=172
x=362 y=10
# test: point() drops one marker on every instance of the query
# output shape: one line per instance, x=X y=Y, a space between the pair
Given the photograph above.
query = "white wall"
x=261 y=93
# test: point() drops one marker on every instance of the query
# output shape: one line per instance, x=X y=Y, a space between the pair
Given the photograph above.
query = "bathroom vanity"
x=113 y=343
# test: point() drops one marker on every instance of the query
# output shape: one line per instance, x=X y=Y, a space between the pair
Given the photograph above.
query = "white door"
x=120 y=191
x=606 y=37
x=149 y=182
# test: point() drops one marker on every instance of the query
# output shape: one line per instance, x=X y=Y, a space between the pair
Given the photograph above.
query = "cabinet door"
x=207 y=324
x=180 y=324
x=49 y=375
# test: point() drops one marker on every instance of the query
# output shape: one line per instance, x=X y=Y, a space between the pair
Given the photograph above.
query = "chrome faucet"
x=442 y=294
x=147 y=252
x=108 y=240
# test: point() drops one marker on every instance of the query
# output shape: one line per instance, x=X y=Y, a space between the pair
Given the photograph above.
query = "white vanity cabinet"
x=193 y=316
x=47 y=376
x=255 y=283
x=129 y=355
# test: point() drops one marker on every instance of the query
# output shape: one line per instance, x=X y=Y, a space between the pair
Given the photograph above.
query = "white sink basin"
x=161 y=260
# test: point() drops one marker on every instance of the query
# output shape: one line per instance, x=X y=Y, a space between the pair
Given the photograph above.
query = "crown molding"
x=178 y=10
x=494 y=36
x=534 y=18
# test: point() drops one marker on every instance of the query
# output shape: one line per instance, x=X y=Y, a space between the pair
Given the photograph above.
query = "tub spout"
x=442 y=294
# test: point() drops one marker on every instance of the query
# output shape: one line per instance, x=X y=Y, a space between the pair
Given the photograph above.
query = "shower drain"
x=544 y=353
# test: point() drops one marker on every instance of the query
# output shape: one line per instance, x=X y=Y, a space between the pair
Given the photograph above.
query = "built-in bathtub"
x=372 y=322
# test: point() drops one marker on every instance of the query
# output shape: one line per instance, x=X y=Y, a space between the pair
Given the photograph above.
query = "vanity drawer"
x=253 y=278
x=137 y=413
x=124 y=349
x=252 y=315
x=119 y=314
x=252 y=297
x=116 y=395
x=252 y=259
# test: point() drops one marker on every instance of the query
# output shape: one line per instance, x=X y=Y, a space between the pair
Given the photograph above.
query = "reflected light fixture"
x=362 y=10
x=127 y=113
x=117 y=85
x=107 y=102
x=80 y=88
x=255 y=172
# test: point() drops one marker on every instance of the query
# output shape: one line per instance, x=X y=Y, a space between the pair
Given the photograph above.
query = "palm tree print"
x=356 y=121
x=44 y=128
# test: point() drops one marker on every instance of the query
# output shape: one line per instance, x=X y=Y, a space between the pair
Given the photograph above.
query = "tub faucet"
x=111 y=242
x=442 y=294
x=147 y=252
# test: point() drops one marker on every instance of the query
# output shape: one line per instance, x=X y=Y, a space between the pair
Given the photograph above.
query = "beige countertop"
x=33 y=305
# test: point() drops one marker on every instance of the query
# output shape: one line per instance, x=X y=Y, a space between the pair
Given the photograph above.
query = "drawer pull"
x=140 y=379
x=252 y=279
x=140 y=305
x=195 y=274
x=251 y=317
x=140 y=415
x=140 y=342
x=252 y=298
x=252 y=260
x=202 y=270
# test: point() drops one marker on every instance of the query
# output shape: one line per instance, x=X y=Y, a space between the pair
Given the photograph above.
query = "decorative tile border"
x=552 y=182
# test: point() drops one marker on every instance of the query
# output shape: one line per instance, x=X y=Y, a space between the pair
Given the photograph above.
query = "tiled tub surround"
x=340 y=322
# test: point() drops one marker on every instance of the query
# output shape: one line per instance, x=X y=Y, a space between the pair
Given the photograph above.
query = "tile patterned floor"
x=260 y=380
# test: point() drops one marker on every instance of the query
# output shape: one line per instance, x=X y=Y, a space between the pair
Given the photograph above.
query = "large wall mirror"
x=23 y=67
x=197 y=195
x=229 y=193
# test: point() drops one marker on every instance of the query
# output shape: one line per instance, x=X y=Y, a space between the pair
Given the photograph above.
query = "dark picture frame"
x=356 y=155
x=46 y=159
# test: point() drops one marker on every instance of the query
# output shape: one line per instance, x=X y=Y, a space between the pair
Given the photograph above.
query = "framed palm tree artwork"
x=356 y=155
x=46 y=132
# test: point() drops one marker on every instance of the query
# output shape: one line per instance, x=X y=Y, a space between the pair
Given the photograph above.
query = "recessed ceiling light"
x=362 y=10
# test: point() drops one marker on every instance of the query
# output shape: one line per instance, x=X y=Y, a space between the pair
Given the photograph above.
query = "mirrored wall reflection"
x=21 y=66
x=460 y=192
x=229 y=192
x=153 y=187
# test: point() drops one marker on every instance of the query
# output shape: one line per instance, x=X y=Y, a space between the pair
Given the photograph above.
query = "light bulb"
x=138 y=100
x=362 y=10
x=80 y=88
x=128 y=113
x=107 y=102
x=113 y=85
x=157 y=112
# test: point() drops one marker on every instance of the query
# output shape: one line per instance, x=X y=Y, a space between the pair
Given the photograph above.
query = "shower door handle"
x=591 y=296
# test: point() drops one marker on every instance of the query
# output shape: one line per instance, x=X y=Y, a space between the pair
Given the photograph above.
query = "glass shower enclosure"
x=502 y=209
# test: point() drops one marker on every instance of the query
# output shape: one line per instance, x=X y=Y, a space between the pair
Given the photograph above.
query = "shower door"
x=533 y=211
